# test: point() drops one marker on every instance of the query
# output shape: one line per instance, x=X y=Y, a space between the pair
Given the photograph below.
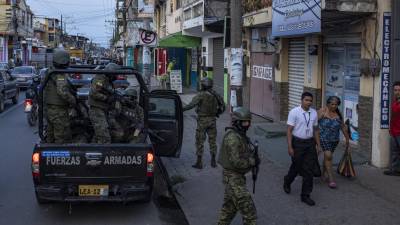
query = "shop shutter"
x=218 y=65
x=296 y=71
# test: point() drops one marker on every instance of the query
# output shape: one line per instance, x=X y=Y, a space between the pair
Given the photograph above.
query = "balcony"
x=202 y=18
x=250 y=6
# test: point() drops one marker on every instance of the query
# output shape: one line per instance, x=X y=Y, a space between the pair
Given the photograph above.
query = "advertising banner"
x=236 y=66
x=175 y=77
x=295 y=17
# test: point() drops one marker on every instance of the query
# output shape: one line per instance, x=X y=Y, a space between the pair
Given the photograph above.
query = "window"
x=178 y=4
x=171 y=6
x=187 y=14
x=23 y=18
x=198 y=10
x=51 y=37
x=162 y=107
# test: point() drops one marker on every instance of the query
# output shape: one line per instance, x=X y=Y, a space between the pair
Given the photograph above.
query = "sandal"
x=332 y=185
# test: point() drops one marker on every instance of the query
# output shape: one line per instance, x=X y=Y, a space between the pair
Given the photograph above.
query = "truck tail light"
x=77 y=76
x=150 y=164
x=28 y=102
x=35 y=165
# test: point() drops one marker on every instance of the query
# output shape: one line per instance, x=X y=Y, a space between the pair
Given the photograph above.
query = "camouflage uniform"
x=127 y=127
x=237 y=159
x=59 y=100
x=100 y=97
x=206 y=111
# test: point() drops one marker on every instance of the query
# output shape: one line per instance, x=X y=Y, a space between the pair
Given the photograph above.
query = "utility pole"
x=146 y=55
x=236 y=56
x=15 y=26
x=62 y=31
x=124 y=11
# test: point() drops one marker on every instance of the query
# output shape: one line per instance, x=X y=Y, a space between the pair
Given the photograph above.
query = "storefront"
x=342 y=77
x=296 y=71
x=218 y=65
x=261 y=73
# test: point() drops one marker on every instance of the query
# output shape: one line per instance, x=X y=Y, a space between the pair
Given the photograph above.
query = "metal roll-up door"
x=296 y=71
x=218 y=65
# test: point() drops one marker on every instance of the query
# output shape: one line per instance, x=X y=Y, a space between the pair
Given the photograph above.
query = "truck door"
x=165 y=122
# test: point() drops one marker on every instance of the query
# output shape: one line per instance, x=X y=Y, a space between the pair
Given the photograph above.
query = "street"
x=17 y=200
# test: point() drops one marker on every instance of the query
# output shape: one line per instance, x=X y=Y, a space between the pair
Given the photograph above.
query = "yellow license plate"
x=93 y=190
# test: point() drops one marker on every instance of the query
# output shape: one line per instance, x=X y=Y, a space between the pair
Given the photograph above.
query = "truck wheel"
x=40 y=200
x=1 y=103
x=147 y=197
x=15 y=98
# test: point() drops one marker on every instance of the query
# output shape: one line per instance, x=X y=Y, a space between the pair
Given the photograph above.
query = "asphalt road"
x=17 y=201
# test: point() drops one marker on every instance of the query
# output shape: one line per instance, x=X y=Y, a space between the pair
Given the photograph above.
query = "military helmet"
x=112 y=66
x=131 y=92
x=206 y=82
x=61 y=57
x=241 y=114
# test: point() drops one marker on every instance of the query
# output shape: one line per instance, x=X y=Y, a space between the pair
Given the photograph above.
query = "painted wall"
x=380 y=137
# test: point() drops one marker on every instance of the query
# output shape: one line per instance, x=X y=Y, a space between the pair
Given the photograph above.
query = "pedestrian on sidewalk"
x=394 y=168
x=207 y=103
x=237 y=159
x=302 y=138
x=330 y=122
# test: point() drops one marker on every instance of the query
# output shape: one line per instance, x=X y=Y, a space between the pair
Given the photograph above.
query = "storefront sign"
x=236 y=66
x=294 y=17
x=385 y=80
x=262 y=72
x=175 y=77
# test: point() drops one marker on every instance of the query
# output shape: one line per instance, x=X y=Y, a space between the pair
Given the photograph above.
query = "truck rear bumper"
x=117 y=193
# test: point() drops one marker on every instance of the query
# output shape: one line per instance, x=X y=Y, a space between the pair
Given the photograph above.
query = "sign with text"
x=175 y=78
x=262 y=72
x=295 y=17
x=385 y=78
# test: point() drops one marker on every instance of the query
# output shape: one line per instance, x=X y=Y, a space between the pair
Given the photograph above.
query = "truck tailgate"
x=93 y=163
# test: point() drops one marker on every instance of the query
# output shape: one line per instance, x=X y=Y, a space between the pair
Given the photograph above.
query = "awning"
x=178 y=40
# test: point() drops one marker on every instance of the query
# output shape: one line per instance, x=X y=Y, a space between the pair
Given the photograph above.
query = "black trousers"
x=303 y=162
x=395 y=154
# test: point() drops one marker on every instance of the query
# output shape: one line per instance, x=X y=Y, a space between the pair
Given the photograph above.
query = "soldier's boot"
x=199 y=163
x=213 y=161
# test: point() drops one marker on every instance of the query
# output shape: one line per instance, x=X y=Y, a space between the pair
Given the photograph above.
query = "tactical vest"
x=51 y=97
x=223 y=158
x=208 y=106
x=98 y=103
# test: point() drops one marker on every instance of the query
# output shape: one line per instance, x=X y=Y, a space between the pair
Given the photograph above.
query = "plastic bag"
x=345 y=167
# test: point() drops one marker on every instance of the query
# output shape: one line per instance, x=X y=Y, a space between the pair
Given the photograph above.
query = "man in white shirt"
x=303 y=138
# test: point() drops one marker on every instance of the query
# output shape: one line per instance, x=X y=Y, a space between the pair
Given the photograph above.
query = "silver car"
x=23 y=75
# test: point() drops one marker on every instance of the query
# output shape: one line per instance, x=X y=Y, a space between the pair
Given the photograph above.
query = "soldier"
x=128 y=124
x=100 y=98
x=237 y=159
x=59 y=100
x=208 y=104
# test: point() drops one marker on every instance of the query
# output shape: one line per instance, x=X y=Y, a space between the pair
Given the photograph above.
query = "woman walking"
x=330 y=123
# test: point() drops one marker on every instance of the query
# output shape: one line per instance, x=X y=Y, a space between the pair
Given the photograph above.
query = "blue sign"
x=295 y=17
x=385 y=79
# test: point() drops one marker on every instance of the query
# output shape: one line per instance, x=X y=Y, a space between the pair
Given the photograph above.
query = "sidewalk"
x=371 y=198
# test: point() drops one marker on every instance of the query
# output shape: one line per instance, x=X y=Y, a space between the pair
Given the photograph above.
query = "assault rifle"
x=256 y=168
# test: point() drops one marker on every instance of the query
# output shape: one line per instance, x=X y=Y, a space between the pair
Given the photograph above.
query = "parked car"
x=8 y=89
x=4 y=67
x=24 y=75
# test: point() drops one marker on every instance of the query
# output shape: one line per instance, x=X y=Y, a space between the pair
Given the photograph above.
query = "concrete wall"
x=174 y=20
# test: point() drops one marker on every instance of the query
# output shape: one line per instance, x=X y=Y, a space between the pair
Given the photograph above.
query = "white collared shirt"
x=303 y=122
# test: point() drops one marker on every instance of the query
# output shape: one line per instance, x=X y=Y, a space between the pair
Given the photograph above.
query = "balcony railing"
x=351 y=5
x=254 y=5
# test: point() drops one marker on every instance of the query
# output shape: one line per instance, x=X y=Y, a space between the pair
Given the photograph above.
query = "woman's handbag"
x=345 y=167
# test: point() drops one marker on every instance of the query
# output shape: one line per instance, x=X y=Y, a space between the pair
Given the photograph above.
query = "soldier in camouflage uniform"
x=58 y=101
x=206 y=104
x=101 y=96
x=237 y=159
x=127 y=123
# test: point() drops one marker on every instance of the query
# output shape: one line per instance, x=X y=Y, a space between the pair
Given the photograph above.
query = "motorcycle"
x=31 y=104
